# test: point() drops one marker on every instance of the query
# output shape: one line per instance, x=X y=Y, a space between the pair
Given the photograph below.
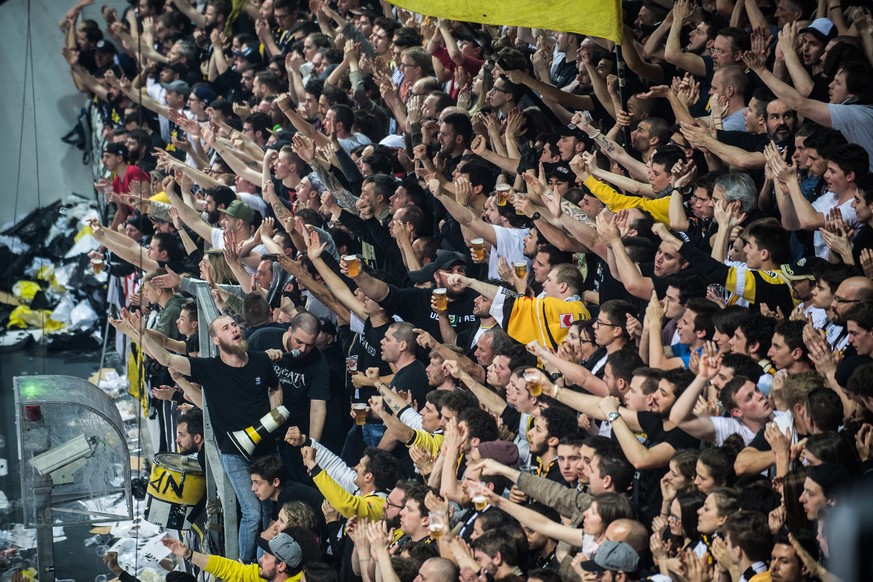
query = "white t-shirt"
x=510 y=245
x=824 y=204
x=217 y=240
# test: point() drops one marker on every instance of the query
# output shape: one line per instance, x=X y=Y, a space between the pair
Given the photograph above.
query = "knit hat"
x=503 y=452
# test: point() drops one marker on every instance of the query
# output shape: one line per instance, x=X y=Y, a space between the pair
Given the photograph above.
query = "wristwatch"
x=536 y=216
x=613 y=416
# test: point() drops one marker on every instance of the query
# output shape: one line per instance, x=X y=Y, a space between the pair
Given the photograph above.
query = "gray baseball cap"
x=615 y=557
x=285 y=548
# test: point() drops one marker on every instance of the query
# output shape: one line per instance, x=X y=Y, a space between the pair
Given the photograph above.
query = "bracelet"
x=190 y=554
x=361 y=560
x=557 y=391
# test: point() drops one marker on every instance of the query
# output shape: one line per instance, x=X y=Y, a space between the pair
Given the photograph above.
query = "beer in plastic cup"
x=360 y=413
x=353 y=265
x=97 y=265
x=480 y=501
x=442 y=302
x=437 y=524
x=518 y=197
x=352 y=363
x=533 y=384
x=520 y=268
x=477 y=249
x=502 y=192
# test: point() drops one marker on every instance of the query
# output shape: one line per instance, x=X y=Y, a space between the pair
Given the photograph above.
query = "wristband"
x=190 y=554
x=557 y=391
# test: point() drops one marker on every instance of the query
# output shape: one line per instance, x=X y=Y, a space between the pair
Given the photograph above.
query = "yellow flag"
x=592 y=17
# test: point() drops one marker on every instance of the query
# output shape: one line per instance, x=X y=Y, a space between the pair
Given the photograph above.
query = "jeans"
x=236 y=469
x=358 y=438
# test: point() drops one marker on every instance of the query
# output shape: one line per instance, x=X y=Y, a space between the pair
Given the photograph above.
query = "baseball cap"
x=327 y=326
x=118 y=149
x=615 y=557
x=104 y=46
x=802 y=268
x=241 y=210
x=204 y=93
x=250 y=54
x=444 y=259
x=284 y=548
x=822 y=28
x=179 y=86
x=560 y=171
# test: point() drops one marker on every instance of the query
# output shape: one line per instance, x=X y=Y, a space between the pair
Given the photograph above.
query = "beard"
x=188 y=451
x=213 y=217
x=238 y=349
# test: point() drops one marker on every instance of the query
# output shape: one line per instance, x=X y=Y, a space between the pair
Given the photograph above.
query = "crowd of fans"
x=528 y=321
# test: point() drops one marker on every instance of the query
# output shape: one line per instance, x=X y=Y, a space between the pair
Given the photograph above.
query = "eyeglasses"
x=408 y=65
x=674 y=518
x=394 y=505
x=597 y=322
x=718 y=51
x=498 y=89
x=839 y=299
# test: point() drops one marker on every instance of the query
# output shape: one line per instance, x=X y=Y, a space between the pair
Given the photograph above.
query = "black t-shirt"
x=237 y=397
x=413 y=305
x=412 y=378
x=647 y=488
x=369 y=348
x=863 y=240
x=302 y=379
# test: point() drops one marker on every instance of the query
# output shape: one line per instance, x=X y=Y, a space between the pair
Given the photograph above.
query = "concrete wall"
x=49 y=91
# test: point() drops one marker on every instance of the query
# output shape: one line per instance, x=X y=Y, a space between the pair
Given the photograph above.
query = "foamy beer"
x=477 y=249
x=534 y=386
x=440 y=299
x=520 y=268
x=360 y=409
x=437 y=524
x=353 y=265
x=502 y=192
x=480 y=499
x=97 y=265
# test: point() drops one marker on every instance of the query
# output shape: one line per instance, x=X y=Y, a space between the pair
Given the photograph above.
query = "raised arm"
x=682 y=412
x=702 y=138
x=635 y=283
x=572 y=372
x=334 y=282
x=673 y=53
x=817 y=111
x=460 y=209
x=492 y=402
x=190 y=216
x=538 y=522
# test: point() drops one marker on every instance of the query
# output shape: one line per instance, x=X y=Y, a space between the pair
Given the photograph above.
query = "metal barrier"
x=217 y=484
